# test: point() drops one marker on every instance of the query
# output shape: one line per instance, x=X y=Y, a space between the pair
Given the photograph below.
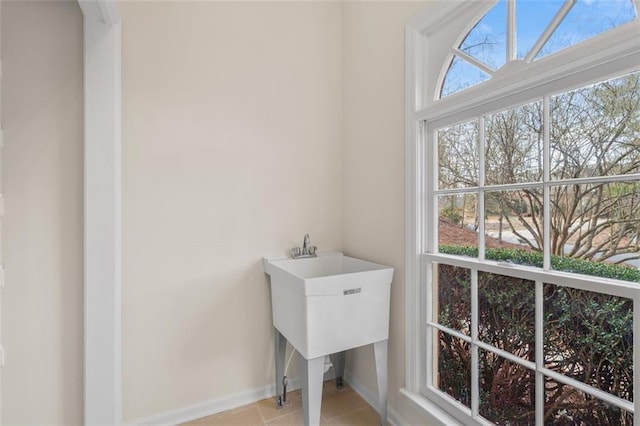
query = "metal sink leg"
x=280 y=343
x=338 y=361
x=380 y=352
x=312 y=390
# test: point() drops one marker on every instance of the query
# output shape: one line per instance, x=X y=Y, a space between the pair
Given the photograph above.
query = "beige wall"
x=373 y=164
x=231 y=151
x=42 y=184
x=245 y=125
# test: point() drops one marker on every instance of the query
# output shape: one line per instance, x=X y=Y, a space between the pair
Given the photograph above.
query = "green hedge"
x=559 y=263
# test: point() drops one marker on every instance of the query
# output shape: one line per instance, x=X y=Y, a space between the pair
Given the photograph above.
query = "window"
x=543 y=27
x=526 y=217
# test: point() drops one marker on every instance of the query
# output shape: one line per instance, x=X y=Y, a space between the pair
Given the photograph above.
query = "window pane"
x=458 y=224
x=595 y=131
x=565 y=405
x=589 y=337
x=532 y=18
x=506 y=309
x=595 y=229
x=586 y=19
x=454 y=297
x=454 y=367
x=507 y=391
x=514 y=225
x=461 y=74
x=513 y=145
x=487 y=40
x=458 y=156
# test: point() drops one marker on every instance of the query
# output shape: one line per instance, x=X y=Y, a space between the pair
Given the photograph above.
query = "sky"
x=487 y=40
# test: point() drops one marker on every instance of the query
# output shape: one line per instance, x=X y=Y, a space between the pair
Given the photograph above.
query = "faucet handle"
x=295 y=252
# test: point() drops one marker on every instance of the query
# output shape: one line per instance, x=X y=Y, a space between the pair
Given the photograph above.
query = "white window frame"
x=608 y=55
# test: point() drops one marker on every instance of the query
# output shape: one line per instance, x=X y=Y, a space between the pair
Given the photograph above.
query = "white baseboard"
x=218 y=405
x=372 y=399
x=228 y=402
x=206 y=408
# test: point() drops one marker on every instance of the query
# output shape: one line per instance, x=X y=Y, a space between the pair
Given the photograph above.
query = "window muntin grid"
x=525 y=31
x=481 y=260
x=537 y=365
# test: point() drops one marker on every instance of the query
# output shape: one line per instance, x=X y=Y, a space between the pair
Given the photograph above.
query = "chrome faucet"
x=307 y=249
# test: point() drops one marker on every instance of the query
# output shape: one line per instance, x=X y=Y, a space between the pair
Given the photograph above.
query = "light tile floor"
x=339 y=407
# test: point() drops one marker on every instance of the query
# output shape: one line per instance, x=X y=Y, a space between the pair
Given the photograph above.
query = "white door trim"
x=1 y=233
x=102 y=213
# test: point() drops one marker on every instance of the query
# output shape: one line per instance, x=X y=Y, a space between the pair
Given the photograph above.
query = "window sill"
x=430 y=408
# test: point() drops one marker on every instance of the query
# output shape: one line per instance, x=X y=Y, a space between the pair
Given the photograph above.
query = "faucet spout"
x=305 y=244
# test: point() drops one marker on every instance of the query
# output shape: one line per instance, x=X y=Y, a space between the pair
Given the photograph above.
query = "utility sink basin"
x=329 y=303
x=325 y=305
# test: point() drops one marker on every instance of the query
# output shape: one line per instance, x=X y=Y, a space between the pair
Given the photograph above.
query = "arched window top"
x=525 y=31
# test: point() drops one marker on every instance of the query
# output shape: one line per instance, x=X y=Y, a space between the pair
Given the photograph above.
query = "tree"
x=595 y=132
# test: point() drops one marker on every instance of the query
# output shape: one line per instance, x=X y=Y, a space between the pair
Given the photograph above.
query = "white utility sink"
x=325 y=305
x=329 y=303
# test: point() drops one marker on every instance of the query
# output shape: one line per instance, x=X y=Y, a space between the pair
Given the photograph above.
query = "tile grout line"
x=264 y=422
x=337 y=418
x=279 y=416
x=263 y=410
